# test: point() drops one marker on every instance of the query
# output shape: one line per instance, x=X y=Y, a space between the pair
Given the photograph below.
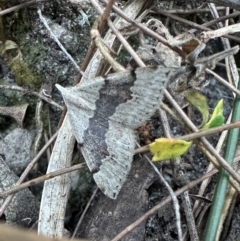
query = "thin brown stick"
x=43 y=178
x=147 y=30
x=208 y=146
x=26 y=171
x=222 y=18
x=104 y=16
x=46 y=25
x=84 y=213
x=223 y=81
x=192 y=24
x=173 y=197
x=120 y=37
x=224 y=65
x=205 y=142
x=29 y=92
x=23 y=5
x=86 y=61
x=167 y=200
x=191 y=11
x=196 y=135
x=91 y=48
x=171 y=3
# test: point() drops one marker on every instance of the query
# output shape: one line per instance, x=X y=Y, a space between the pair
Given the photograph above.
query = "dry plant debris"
x=144 y=33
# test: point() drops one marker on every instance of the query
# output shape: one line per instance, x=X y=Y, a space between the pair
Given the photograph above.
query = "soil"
x=49 y=65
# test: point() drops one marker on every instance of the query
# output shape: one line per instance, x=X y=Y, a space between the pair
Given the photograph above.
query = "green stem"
x=222 y=184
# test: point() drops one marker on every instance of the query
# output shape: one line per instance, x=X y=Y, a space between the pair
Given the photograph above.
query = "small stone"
x=16 y=149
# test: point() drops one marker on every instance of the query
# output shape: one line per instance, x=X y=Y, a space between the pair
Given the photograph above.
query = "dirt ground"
x=143 y=189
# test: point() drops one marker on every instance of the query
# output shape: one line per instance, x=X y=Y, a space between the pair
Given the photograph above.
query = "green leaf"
x=8 y=45
x=166 y=148
x=217 y=118
x=23 y=75
x=199 y=101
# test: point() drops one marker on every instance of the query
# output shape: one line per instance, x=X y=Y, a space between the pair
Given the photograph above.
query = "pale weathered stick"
x=49 y=217
x=206 y=35
x=56 y=191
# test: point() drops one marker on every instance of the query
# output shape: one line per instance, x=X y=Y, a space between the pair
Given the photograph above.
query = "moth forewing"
x=112 y=108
